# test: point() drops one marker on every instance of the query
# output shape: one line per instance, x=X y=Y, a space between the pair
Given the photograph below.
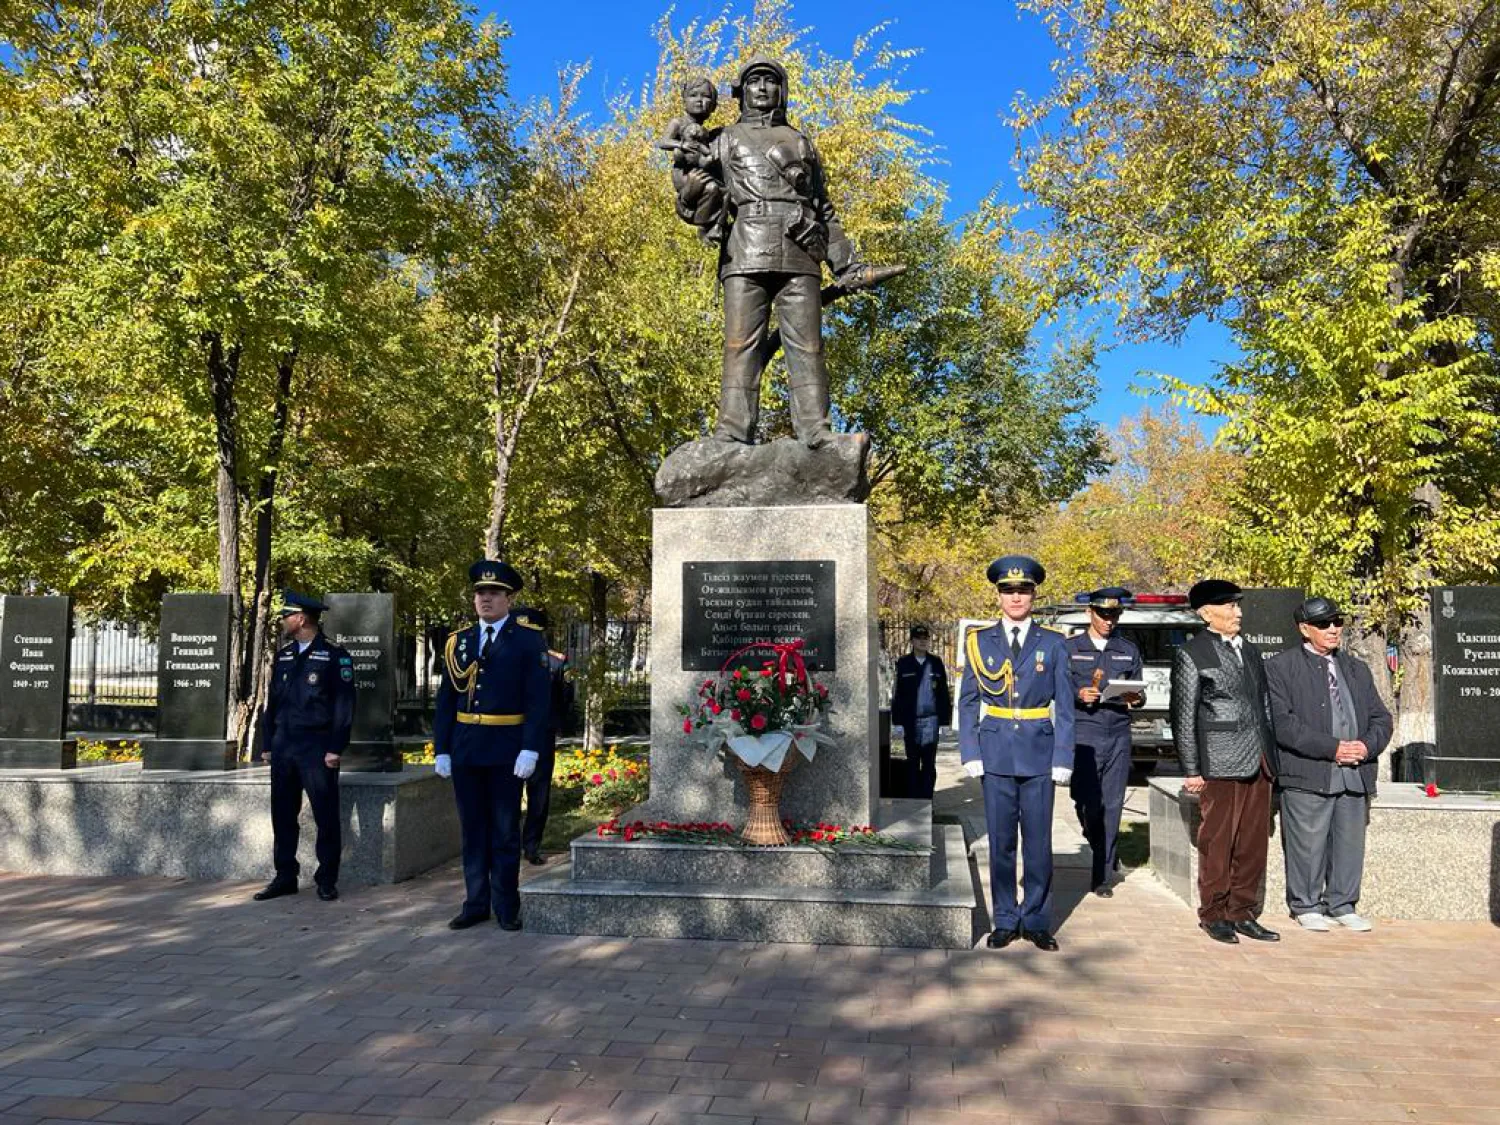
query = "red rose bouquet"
x=758 y=710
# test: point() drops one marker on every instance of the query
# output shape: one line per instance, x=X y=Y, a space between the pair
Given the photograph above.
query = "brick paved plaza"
x=155 y=1001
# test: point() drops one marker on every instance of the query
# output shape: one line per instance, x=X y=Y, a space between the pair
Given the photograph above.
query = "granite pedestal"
x=722 y=577
x=123 y=820
x=1425 y=858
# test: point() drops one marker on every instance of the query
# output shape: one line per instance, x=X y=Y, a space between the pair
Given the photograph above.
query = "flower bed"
x=819 y=835
x=112 y=750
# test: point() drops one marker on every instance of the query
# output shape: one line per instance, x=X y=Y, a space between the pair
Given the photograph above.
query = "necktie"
x=1234 y=647
x=1015 y=643
x=489 y=639
x=1333 y=684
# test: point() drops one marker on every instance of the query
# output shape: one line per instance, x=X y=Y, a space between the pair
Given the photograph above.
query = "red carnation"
x=715 y=708
x=597 y=779
x=687 y=726
x=757 y=722
x=766 y=671
x=735 y=714
x=739 y=674
x=1432 y=790
x=743 y=695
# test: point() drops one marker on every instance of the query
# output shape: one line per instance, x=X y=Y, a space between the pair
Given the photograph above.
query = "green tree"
x=1323 y=177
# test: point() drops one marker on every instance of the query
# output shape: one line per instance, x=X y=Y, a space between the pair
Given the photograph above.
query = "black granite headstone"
x=192 y=685
x=728 y=605
x=365 y=624
x=34 y=652
x=1268 y=623
x=1466 y=682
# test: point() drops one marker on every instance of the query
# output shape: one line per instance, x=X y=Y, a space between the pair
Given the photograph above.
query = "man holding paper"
x=1106 y=673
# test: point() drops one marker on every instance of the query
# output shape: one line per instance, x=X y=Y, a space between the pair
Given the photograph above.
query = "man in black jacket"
x=1331 y=726
x=920 y=705
x=1221 y=724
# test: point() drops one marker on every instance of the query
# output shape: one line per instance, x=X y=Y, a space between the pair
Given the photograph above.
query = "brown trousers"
x=1232 y=842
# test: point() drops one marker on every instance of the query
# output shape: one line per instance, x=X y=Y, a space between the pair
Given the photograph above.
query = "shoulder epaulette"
x=460 y=629
x=1061 y=632
x=528 y=625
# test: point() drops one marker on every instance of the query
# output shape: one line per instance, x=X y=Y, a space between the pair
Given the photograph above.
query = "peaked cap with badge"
x=492 y=574
x=294 y=602
x=1110 y=597
x=1016 y=570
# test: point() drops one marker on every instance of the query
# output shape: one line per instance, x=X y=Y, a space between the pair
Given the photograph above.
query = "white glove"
x=1062 y=774
x=444 y=765
x=974 y=769
x=525 y=764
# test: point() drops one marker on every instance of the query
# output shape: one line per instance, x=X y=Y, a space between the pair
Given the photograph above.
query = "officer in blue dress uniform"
x=305 y=730
x=1101 y=765
x=1015 y=733
x=488 y=731
x=539 y=784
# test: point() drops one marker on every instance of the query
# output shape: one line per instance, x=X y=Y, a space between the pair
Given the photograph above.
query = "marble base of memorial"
x=920 y=897
x=121 y=820
x=188 y=754
x=1425 y=858
x=371 y=757
x=38 y=753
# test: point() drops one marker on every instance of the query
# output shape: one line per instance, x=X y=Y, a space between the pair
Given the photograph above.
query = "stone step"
x=848 y=867
x=940 y=916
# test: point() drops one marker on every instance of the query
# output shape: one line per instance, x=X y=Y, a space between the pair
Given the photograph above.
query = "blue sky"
x=975 y=58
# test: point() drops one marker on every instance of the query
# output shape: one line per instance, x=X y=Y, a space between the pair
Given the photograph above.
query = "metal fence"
x=114 y=665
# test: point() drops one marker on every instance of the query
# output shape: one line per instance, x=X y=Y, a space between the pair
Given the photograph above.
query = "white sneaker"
x=1352 y=921
x=1314 y=921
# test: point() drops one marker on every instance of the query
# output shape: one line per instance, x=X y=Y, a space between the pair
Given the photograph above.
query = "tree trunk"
x=494 y=537
x=599 y=694
x=223 y=373
x=1415 y=737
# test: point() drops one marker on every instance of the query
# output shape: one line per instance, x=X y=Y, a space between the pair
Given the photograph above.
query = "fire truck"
x=1157 y=623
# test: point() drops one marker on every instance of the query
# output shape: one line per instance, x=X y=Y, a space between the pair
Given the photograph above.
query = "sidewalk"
x=165 y=1002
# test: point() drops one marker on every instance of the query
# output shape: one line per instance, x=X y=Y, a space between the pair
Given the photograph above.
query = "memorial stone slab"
x=34 y=652
x=1466 y=682
x=729 y=605
x=1268 y=623
x=365 y=624
x=192 y=685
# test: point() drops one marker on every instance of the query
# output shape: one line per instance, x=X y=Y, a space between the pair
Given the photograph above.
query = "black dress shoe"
x=462 y=921
x=1255 y=931
x=328 y=893
x=511 y=924
x=1104 y=890
x=1220 y=931
x=999 y=939
x=1042 y=939
x=275 y=889
x=535 y=858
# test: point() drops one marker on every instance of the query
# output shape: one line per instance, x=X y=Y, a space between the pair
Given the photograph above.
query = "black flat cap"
x=1317 y=611
x=1213 y=591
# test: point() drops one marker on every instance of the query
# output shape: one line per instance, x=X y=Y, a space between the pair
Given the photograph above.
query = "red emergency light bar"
x=1161 y=599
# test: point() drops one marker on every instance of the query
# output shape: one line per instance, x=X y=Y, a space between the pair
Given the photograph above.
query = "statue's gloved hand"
x=974 y=769
x=444 y=765
x=525 y=764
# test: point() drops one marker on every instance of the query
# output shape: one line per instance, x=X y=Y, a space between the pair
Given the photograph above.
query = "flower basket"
x=763 y=826
x=758 y=717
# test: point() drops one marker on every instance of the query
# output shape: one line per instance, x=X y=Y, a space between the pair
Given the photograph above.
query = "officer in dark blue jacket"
x=560 y=705
x=1101 y=770
x=305 y=730
x=1015 y=732
x=488 y=731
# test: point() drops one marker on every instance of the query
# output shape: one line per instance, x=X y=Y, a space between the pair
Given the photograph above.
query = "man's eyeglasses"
x=1331 y=623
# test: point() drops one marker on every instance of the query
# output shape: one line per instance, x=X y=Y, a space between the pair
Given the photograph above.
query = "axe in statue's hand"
x=855 y=278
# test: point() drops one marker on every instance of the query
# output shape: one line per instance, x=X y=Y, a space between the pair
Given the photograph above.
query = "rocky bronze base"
x=717 y=474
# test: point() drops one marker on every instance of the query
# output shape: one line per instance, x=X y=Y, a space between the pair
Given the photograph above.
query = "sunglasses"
x=1331 y=623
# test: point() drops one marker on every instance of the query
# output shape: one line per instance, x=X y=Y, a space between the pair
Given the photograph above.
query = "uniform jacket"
x=310 y=705
x=1221 y=709
x=512 y=680
x=1017 y=747
x=760 y=158
x=561 y=691
x=904 y=698
x=1303 y=716
x=1121 y=660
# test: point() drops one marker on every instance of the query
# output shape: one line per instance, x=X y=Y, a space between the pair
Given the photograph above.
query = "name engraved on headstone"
x=193 y=667
x=1267 y=621
x=365 y=625
x=1466 y=681
x=728 y=605
x=34 y=665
